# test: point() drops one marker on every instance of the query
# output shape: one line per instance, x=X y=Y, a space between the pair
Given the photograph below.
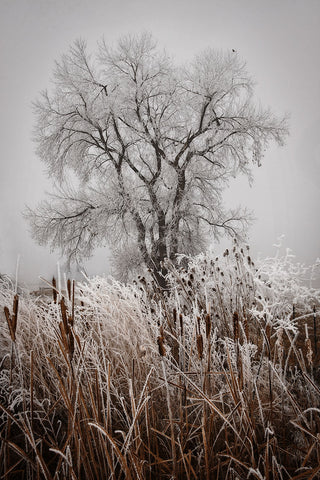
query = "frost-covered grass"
x=218 y=378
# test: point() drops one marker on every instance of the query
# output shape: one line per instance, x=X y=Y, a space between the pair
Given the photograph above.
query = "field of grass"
x=216 y=378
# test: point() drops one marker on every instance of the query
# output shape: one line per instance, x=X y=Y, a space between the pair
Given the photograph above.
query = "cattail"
x=160 y=341
x=280 y=343
x=71 y=343
x=12 y=320
x=235 y=326
x=9 y=321
x=208 y=324
x=198 y=323
x=174 y=312
x=71 y=318
x=64 y=315
x=309 y=353
x=63 y=334
x=15 y=312
x=315 y=330
x=54 y=290
x=200 y=346
x=181 y=324
x=69 y=288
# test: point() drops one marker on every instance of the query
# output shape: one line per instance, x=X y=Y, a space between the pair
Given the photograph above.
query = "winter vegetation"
x=185 y=365
x=215 y=377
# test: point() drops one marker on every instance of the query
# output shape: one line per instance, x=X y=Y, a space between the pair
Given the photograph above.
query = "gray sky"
x=280 y=41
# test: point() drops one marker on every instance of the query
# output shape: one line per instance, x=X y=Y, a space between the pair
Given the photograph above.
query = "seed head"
x=160 y=341
x=200 y=346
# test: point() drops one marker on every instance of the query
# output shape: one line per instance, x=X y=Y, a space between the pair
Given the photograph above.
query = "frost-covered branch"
x=157 y=143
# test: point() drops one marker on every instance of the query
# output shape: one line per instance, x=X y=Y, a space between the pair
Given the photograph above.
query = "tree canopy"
x=150 y=147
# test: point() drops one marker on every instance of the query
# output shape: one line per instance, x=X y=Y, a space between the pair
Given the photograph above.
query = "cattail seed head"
x=71 y=344
x=309 y=354
x=64 y=315
x=279 y=343
x=235 y=326
x=198 y=324
x=54 y=291
x=181 y=323
x=15 y=312
x=9 y=321
x=174 y=313
x=69 y=288
x=160 y=342
x=208 y=324
x=200 y=346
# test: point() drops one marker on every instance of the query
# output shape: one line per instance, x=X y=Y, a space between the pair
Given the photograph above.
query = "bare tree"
x=150 y=147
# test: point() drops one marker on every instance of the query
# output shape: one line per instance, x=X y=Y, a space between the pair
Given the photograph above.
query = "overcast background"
x=279 y=39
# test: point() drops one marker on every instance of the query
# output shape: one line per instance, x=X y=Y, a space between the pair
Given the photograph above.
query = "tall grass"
x=218 y=377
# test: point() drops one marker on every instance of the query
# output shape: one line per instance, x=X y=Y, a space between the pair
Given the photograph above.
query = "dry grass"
x=218 y=378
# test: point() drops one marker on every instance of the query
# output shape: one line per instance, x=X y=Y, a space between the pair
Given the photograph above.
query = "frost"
x=233 y=359
x=151 y=147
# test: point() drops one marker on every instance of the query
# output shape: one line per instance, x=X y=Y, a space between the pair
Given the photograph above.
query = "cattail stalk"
x=31 y=388
x=173 y=443
x=315 y=331
x=54 y=290
x=12 y=319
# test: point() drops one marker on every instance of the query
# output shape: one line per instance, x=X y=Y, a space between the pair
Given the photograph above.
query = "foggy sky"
x=280 y=42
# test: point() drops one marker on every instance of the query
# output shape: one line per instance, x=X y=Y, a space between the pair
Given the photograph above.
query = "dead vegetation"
x=218 y=377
